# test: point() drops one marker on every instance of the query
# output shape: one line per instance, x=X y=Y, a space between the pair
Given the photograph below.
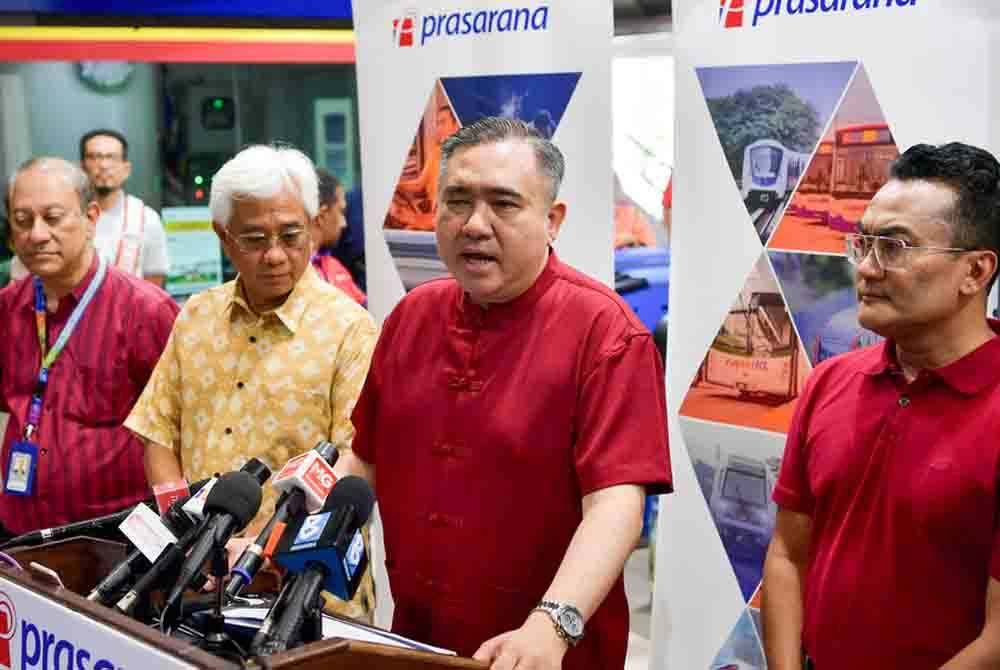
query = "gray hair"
x=495 y=129
x=71 y=172
x=260 y=172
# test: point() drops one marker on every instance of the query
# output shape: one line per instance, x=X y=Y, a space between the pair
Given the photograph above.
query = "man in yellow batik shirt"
x=269 y=364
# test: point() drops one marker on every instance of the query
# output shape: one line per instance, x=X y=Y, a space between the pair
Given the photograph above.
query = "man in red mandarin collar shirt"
x=515 y=416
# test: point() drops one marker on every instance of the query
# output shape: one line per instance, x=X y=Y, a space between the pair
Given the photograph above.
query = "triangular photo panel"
x=769 y=120
x=823 y=301
x=743 y=649
x=851 y=164
x=755 y=368
x=539 y=99
x=736 y=470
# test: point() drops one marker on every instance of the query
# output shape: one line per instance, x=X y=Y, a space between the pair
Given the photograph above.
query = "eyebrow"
x=490 y=191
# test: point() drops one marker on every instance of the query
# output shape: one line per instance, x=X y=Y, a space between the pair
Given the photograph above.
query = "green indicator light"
x=217 y=103
x=199 y=180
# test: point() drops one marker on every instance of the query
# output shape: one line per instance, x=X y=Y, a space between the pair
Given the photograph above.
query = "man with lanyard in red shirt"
x=515 y=415
x=80 y=340
x=886 y=552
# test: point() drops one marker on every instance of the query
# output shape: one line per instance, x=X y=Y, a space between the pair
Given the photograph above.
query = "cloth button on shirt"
x=300 y=378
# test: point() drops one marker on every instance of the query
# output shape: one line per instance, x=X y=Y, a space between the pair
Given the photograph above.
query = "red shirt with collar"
x=901 y=482
x=487 y=428
x=88 y=464
x=334 y=272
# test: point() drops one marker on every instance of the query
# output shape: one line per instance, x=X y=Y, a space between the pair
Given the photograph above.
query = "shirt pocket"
x=99 y=396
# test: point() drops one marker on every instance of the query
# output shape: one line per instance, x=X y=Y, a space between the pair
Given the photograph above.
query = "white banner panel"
x=424 y=69
x=788 y=115
x=36 y=632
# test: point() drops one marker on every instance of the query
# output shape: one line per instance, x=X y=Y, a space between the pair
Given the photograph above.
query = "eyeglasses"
x=100 y=158
x=890 y=253
x=290 y=239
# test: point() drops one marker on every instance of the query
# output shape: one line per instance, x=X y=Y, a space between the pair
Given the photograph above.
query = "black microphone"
x=136 y=562
x=290 y=505
x=326 y=552
x=231 y=505
x=101 y=524
x=165 y=563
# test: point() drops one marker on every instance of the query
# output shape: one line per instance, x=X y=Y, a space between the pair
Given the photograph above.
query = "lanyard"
x=48 y=358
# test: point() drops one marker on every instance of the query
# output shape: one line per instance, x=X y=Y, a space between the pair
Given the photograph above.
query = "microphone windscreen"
x=236 y=493
x=352 y=490
x=258 y=468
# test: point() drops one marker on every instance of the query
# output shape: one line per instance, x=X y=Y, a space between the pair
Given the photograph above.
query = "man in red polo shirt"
x=515 y=416
x=80 y=339
x=887 y=547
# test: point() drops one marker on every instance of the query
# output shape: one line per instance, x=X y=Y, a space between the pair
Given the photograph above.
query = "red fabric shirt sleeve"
x=792 y=491
x=622 y=424
x=150 y=338
x=365 y=414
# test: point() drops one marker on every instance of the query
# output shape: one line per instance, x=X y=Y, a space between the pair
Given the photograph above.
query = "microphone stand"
x=217 y=641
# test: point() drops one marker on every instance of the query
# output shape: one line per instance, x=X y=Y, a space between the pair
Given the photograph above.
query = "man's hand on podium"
x=533 y=646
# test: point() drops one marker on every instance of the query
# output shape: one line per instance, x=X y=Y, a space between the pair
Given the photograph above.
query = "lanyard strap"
x=48 y=358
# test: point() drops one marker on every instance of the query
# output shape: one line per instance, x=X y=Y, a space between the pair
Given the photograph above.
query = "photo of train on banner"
x=770 y=173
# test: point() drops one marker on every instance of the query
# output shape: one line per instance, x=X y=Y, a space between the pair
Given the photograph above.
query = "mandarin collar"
x=969 y=375
x=290 y=312
x=475 y=315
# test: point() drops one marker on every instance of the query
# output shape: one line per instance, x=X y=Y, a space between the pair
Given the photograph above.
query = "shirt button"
x=904 y=401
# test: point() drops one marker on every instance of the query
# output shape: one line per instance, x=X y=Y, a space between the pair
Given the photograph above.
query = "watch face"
x=571 y=622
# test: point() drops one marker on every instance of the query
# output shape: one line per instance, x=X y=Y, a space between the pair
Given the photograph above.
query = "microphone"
x=296 y=484
x=327 y=553
x=231 y=504
x=176 y=520
x=101 y=524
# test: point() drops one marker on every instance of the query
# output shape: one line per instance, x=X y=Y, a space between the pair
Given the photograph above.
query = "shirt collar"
x=500 y=312
x=290 y=312
x=76 y=294
x=969 y=375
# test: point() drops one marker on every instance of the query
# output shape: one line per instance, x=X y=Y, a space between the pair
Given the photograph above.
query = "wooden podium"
x=41 y=621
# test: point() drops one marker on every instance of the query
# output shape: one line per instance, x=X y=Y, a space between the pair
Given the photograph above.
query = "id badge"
x=21 y=468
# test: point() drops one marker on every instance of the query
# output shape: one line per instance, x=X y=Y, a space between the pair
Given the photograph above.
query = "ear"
x=92 y=214
x=556 y=216
x=127 y=168
x=221 y=232
x=982 y=267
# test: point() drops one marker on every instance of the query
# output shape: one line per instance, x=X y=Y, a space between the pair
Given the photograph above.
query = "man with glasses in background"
x=266 y=365
x=129 y=234
x=78 y=341
x=886 y=552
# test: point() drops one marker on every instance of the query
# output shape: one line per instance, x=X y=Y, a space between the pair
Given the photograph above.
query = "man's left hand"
x=533 y=646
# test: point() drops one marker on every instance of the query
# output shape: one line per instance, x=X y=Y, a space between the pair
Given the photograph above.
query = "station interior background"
x=184 y=120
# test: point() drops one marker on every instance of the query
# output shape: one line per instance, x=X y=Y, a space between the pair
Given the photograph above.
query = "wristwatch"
x=567 y=620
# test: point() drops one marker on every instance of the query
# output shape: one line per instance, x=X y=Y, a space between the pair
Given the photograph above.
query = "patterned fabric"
x=88 y=465
x=232 y=385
